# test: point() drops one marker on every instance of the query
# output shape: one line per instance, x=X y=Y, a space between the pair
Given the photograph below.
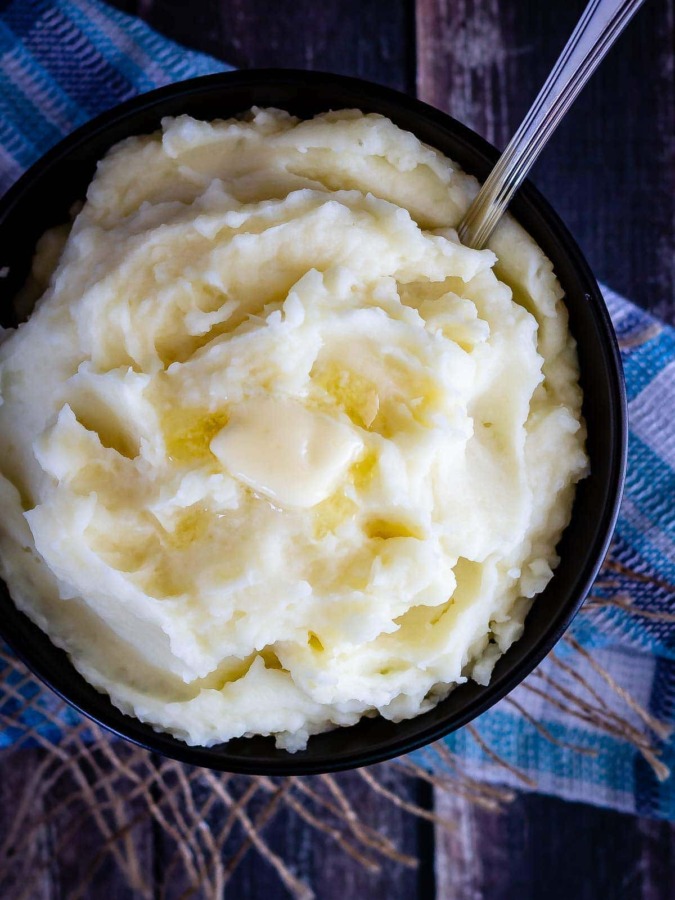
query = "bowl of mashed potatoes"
x=290 y=479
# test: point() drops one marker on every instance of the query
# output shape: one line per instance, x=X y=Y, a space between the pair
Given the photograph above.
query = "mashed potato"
x=276 y=450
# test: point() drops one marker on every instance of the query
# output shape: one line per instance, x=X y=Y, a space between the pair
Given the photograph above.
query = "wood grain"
x=331 y=873
x=43 y=865
x=544 y=847
x=64 y=851
x=609 y=170
x=372 y=39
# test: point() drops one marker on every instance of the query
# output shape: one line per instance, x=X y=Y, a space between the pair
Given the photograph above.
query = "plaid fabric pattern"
x=64 y=61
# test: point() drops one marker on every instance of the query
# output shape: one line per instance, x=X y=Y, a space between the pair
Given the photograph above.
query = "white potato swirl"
x=276 y=450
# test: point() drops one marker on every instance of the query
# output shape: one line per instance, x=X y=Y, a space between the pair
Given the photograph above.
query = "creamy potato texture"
x=276 y=450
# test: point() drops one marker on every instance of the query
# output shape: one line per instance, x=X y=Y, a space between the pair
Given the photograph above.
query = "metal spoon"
x=597 y=30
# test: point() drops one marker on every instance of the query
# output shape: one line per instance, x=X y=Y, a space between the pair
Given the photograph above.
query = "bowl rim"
x=17 y=632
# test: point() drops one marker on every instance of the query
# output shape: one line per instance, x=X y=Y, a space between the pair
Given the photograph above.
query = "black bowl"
x=43 y=197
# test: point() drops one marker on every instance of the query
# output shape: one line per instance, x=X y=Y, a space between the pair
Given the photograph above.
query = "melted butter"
x=230 y=670
x=292 y=455
x=314 y=642
x=356 y=394
x=270 y=658
x=188 y=433
x=363 y=470
x=384 y=529
x=380 y=402
x=190 y=526
x=166 y=581
x=127 y=551
x=331 y=513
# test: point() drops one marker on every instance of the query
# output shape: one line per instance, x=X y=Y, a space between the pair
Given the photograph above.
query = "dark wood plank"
x=34 y=871
x=325 y=867
x=83 y=831
x=657 y=859
x=609 y=170
x=369 y=39
x=196 y=25
x=59 y=850
x=545 y=847
x=373 y=39
x=610 y=173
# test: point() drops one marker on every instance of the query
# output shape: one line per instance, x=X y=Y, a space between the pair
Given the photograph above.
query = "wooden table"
x=610 y=173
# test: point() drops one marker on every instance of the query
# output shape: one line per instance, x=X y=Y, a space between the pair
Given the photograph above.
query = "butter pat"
x=286 y=452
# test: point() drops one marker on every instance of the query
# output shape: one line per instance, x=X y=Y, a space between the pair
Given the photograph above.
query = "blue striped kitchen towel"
x=587 y=724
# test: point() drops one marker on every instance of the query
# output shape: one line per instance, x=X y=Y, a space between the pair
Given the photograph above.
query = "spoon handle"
x=599 y=26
